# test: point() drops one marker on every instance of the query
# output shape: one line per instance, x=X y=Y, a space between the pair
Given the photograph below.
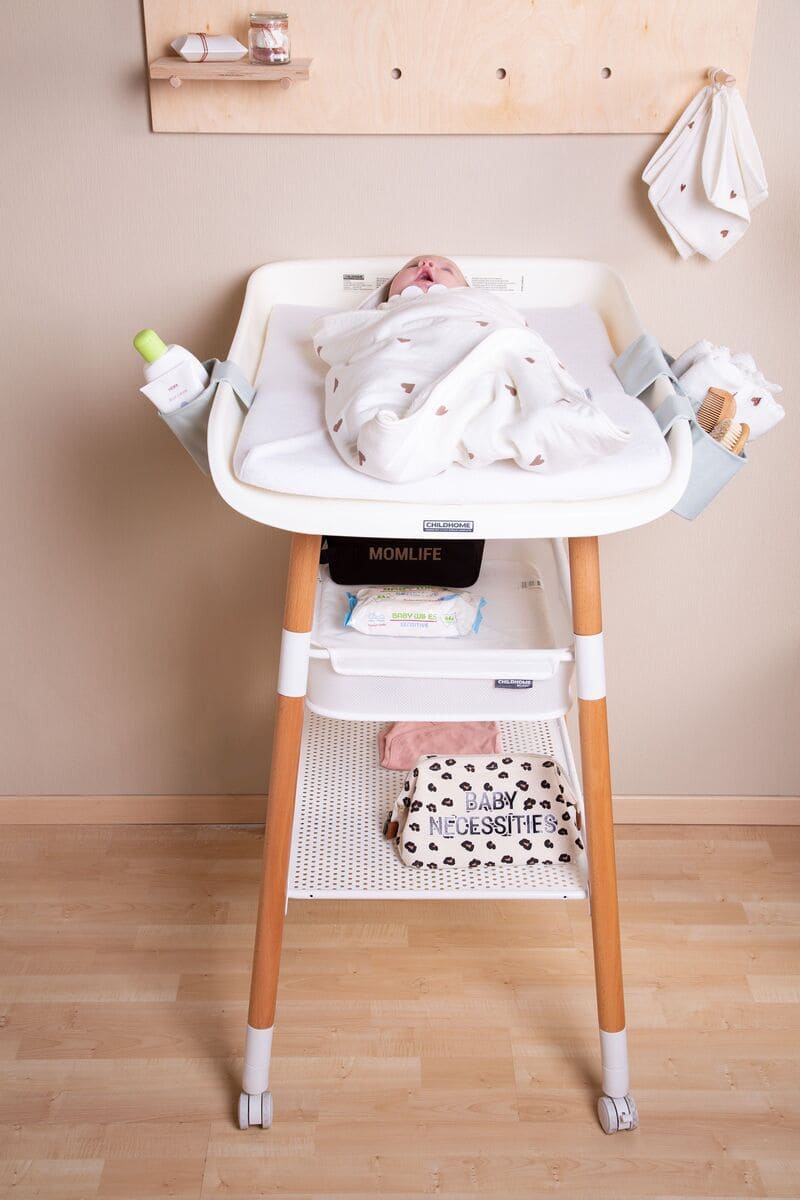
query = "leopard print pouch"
x=483 y=810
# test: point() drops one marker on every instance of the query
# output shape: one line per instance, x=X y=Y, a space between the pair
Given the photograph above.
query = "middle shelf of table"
x=518 y=666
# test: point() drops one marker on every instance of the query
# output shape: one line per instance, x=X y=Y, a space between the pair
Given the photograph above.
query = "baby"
x=424 y=273
x=428 y=372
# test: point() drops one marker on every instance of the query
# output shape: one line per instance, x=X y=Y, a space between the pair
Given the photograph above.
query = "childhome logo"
x=448 y=526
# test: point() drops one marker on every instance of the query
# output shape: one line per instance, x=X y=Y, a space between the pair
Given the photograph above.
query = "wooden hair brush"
x=731 y=435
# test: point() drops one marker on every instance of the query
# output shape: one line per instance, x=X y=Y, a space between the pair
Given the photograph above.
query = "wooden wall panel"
x=554 y=54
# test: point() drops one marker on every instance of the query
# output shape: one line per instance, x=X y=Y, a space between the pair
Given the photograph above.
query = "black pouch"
x=358 y=561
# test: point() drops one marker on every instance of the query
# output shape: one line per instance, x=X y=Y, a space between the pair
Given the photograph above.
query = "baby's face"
x=427 y=269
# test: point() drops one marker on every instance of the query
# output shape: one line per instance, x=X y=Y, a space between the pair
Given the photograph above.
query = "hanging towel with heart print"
x=482 y=810
x=707 y=175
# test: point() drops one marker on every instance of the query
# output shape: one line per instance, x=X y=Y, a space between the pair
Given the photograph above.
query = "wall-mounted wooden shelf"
x=177 y=69
x=480 y=67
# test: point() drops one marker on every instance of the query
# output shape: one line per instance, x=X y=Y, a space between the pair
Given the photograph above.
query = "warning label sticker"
x=355 y=281
x=499 y=283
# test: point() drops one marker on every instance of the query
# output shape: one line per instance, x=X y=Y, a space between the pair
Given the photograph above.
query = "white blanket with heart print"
x=455 y=376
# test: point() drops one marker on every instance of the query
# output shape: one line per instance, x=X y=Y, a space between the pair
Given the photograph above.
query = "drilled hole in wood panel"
x=501 y=72
x=606 y=73
x=396 y=73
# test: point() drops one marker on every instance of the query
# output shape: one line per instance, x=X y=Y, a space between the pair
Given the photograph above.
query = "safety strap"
x=639 y=366
x=228 y=372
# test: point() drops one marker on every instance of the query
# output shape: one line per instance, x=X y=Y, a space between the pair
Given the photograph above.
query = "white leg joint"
x=293 y=669
x=614 y=1057
x=590 y=666
x=257 y=1055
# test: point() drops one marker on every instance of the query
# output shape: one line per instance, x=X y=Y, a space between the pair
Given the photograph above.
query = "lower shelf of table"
x=344 y=797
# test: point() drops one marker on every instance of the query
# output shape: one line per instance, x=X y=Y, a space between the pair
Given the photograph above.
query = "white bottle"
x=174 y=376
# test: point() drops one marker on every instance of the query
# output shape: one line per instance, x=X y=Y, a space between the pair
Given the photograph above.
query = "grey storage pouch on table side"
x=190 y=423
x=712 y=465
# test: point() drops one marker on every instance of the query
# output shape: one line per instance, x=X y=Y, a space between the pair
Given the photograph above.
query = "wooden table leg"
x=255 y=1104
x=616 y=1105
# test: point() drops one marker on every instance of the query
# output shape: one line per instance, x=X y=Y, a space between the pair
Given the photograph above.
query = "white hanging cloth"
x=707 y=175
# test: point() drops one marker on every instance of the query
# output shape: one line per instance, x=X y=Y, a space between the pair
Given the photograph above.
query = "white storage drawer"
x=517 y=667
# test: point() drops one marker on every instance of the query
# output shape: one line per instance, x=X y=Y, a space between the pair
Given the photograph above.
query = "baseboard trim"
x=132 y=810
x=707 y=810
x=249 y=810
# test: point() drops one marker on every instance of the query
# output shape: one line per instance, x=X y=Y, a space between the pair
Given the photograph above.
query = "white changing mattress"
x=284 y=445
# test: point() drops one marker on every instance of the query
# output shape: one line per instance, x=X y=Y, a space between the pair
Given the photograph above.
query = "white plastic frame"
x=548 y=283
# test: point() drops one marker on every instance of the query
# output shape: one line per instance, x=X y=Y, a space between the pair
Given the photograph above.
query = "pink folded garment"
x=404 y=742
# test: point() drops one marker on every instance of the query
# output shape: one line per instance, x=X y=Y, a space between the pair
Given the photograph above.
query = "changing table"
x=331 y=701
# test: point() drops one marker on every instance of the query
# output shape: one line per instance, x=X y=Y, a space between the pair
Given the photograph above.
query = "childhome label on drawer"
x=448 y=526
x=514 y=685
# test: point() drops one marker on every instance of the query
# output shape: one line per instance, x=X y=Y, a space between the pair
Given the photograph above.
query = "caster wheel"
x=616 y=1114
x=255 y=1110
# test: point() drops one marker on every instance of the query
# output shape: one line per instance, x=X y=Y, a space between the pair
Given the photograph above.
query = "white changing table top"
x=528 y=283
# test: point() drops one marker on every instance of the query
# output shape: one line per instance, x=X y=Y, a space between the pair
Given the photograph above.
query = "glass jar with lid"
x=268 y=38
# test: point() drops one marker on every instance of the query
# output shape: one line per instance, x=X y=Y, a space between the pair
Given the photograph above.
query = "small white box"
x=208 y=47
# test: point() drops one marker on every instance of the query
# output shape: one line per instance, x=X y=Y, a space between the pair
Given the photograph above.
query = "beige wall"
x=139 y=614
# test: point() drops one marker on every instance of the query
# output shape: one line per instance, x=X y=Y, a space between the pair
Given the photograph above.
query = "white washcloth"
x=707 y=175
x=704 y=365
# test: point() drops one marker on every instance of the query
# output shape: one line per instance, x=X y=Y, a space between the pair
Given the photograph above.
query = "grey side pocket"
x=712 y=465
x=190 y=423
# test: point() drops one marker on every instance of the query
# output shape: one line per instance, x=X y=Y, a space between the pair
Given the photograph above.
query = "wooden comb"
x=717 y=406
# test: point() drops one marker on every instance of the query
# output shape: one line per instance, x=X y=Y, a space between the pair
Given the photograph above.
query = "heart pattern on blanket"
x=733 y=194
x=756 y=400
x=683 y=187
x=724 y=232
x=401 y=451
x=319 y=351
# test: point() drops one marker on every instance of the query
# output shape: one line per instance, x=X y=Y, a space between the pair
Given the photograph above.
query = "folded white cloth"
x=704 y=365
x=452 y=376
x=707 y=176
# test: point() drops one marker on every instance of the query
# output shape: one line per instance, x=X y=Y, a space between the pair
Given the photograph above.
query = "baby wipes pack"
x=480 y=810
x=404 y=611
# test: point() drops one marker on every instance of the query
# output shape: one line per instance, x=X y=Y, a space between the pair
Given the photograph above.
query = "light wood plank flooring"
x=421 y=1049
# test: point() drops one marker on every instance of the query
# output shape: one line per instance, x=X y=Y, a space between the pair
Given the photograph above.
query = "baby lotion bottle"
x=174 y=376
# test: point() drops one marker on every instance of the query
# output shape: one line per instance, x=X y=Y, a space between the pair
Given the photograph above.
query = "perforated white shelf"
x=344 y=797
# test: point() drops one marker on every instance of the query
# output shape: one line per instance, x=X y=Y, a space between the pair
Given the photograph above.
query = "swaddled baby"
x=431 y=372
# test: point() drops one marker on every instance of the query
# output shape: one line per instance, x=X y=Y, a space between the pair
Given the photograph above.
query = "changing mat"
x=285 y=447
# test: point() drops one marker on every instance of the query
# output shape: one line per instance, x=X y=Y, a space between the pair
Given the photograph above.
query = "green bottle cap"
x=149 y=345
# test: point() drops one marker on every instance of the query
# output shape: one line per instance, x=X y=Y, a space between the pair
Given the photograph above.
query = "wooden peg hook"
x=720 y=77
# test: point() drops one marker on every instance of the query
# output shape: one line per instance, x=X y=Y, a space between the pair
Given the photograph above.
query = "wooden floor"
x=421 y=1049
